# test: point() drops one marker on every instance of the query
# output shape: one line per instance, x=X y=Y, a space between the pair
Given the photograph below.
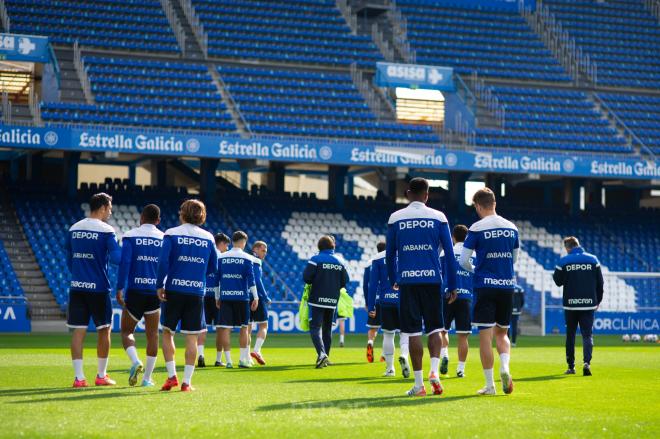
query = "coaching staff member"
x=580 y=275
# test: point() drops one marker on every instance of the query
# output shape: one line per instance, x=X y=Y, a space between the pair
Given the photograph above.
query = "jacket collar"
x=327 y=252
x=576 y=251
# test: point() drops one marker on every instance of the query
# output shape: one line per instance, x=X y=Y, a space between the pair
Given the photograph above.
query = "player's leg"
x=260 y=317
x=342 y=331
x=218 y=348
x=315 y=325
x=389 y=326
x=192 y=324
x=571 y=329
x=77 y=319
x=586 y=321
x=201 y=341
x=373 y=323
x=151 y=320
x=127 y=328
x=463 y=330
x=326 y=331
x=448 y=317
x=172 y=312
x=101 y=310
x=411 y=324
x=224 y=326
x=404 y=345
x=503 y=308
x=225 y=343
x=243 y=313
x=484 y=316
x=432 y=313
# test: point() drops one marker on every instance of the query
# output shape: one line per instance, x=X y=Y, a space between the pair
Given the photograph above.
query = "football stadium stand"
x=640 y=113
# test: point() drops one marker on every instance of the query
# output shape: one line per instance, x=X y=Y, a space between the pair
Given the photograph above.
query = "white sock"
x=228 y=356
x=103 y=367
x=187 y=373
x=444 y=352
x=78 y=369
x=371 y=342
x=490 y=381
x=419 y=378
x=245 y=354
x=171 y=368
x=388 y=349
x=403 y=344
x=200 y=350
x=461 y=366
x=258 y=344
x=504 y=362
x=149 y=368
x=435 y=365
x=341 y=338
x=218 y=356
x=132 y=354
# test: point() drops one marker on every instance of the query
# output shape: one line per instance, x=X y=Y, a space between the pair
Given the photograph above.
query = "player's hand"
x=453 y=295
x=120 y=298
x=395 y=287
x=254 y=305
x=372 y=314
x=161 y=295
x=217 y=304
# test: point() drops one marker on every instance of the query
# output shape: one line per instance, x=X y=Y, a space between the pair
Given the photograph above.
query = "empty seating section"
x=307 y=103
x=309 y=31
x=621 y=36
x=491 y=42
x=545 y=118
x=640 y=113
x=9 y=284
x=139 y=25
x=147 y=93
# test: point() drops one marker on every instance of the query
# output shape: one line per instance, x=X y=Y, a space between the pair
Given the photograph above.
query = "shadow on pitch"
x=76 y=395
x=541 y=378
x=358 y=403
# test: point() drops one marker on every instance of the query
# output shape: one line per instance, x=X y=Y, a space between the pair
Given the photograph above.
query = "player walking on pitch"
x=260 y=314
x=137 y=274
x=495 y=241
x=414 y=236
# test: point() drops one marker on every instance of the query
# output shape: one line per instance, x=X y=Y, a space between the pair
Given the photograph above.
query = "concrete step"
x=43 y=289
x=33 y=274
x=25 y=266
x=32 y=281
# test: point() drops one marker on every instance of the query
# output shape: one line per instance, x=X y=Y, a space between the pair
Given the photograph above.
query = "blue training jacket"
x=370 y=296
x=327 y=275
x=236 y=276
x=212 y=280
x=90 y=245
x=379 y=282
x=496 y=243
x=188 y=256
x=580 y=274
x=415 y=235
x=464 y=278
x=258 y=279
x=140 y=250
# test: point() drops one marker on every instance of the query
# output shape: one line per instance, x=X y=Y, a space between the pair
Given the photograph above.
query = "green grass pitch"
x=289 y=398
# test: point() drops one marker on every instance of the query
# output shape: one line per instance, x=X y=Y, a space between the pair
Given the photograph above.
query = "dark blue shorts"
x=84 y=305
x=458 y=312
x=210 y=311
x=260 y=315
x=187 y=309
x=389 y=318
x=233 y=314
x=374 y=322
x=421 y=308
x=493 y=306
x=139 y=304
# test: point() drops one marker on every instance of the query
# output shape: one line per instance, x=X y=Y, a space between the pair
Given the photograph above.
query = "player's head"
x=150 y=215
x=259 y=249
x=221 y=242
x=326 y=243
x=239 y=239
x=100 y=206
x=571 y=242
x=418 y=190
x=484 y=202
x=192 y=212
x=380 y=246
x=458 y=233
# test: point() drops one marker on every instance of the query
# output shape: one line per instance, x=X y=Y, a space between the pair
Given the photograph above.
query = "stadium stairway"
x=70 y=87
x=192 y=49
x=40 y=299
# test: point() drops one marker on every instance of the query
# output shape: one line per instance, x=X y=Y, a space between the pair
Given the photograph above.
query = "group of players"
x=194 y=277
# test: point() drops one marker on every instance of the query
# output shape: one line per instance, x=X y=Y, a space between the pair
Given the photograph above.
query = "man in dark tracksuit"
x=327 y=275
x=518 y=304
x=580 y=274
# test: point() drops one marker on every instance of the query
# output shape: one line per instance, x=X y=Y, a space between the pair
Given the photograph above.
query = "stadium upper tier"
x=308 y=31
x=311 y=103
x=640 y=113
x=490 y=42
x=544 y=118
x=621 y=36
x=147 y=93
x=139 y=25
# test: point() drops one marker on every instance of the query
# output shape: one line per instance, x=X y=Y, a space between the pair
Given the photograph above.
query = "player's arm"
x=163 y=266
x=218 y=280
x=69 y=252
x=310 y=272
x=468 y=248
x=450 y=260
x=114 y=250
x=516 y=248
x=344 y=277
x=559 y=276
x=600 y=283
x=390 y=253
x=124 y=267
x=212 y=266
x=522 y=298
x=252 y=286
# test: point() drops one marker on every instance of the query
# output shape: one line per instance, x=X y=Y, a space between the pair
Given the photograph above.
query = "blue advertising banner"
x=329 y=152
x=24 y=48
x=608 y=322
x=282 y=318
x=14 y=318
x=414 y=76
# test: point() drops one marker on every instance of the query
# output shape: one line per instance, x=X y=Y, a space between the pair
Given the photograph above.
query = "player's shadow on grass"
x=83 y=395
x=358 y=403
x=360 y=380
x=542 y=378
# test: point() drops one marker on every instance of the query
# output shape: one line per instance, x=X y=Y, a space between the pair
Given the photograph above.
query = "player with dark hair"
x=415 y=236
x=496 y=244
x=260 y=315
x=210 y=309
x=91 y=243
x=327 y=276
x=188 y=257
x=460 y=310
x=137 y=274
